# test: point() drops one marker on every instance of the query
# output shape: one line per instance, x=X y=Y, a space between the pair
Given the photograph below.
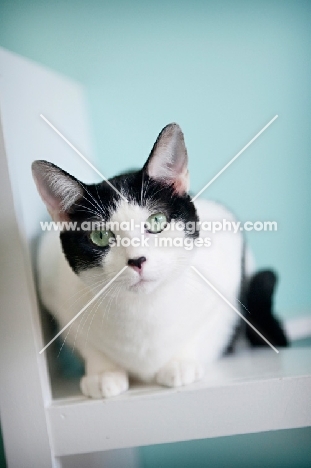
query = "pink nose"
x=136 y=263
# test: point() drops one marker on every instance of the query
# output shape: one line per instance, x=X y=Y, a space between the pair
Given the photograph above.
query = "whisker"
x=83 y=186
x=98 y=213
x=99 y=199
x=85 y=208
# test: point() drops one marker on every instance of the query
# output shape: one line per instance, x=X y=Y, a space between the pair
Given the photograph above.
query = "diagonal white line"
x=235 y=309
x=83 y=309
x=82 y=156
x=235 y=157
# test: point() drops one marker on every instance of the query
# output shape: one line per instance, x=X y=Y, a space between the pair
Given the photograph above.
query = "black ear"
x=58 y=189
x=168 y=160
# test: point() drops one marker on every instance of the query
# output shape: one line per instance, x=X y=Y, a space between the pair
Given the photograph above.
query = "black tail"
x=258 y=300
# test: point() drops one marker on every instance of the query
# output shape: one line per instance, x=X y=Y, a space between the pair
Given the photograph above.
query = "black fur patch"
x=100 y=201
x=259 y=302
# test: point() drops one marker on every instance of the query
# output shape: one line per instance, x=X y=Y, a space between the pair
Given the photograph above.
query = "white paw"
x=177 y=373
x=104 y=385
x=113 y=383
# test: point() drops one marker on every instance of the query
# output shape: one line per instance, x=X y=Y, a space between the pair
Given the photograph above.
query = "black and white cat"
x=158 y=320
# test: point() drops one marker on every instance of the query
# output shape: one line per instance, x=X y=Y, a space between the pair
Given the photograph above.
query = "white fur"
x=164 y=329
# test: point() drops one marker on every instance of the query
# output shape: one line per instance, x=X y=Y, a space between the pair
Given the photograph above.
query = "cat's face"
x=147 y=232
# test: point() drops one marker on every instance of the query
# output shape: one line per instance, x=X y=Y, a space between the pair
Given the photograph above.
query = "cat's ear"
x=168 y=160
x=58 y=189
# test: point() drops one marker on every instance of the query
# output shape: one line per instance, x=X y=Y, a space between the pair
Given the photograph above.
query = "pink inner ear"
x=180 y=186
x=181 y=183
x=168 y=159
x=175 y=173
x=52 y=202
x=58 y=189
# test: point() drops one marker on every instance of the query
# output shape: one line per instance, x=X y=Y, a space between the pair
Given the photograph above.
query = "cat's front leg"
x=103 y=378
x=180 y=372
x=183 y=369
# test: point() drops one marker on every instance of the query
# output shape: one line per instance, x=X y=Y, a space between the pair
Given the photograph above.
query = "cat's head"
x=143 y=224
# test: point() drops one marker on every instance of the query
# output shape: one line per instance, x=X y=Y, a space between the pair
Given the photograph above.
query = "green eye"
x=101 y=237
x=156 y=223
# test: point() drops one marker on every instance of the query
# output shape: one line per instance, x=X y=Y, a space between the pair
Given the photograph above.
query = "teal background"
x=222 y=70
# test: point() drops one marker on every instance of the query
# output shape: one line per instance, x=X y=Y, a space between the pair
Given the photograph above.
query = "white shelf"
x=251 y=392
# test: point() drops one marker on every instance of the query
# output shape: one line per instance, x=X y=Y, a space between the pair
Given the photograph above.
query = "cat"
x=158 y=320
